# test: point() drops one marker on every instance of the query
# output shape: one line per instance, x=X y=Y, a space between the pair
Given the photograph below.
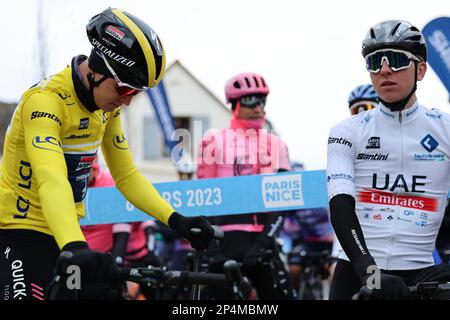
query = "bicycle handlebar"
x=422 y=289
x=218 y=233
x=161 y=277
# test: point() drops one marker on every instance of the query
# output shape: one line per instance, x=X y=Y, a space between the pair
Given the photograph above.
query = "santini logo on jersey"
x=343 y=141
x=375 y=156
x=39 y=114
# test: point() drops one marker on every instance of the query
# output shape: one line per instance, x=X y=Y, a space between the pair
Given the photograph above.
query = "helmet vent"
x=395 y=29
x=236 y=85
x=372 y=33
x=414 y=38
x=256 y=81
x=248 y=82
x=263 y=82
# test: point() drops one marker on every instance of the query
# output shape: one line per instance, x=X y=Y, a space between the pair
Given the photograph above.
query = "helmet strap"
x=94 y=83
x=400 y=105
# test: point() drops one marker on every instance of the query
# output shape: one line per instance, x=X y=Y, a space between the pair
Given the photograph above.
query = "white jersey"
x=397 y=167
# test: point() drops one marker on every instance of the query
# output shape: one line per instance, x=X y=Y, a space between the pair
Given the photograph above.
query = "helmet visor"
x=361 y=106
x=396 y=59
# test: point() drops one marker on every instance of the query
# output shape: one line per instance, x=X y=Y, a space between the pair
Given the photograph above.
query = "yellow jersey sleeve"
x=42 y=117
x=130 y=182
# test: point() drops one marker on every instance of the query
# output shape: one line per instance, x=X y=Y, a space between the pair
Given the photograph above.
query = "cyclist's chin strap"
x=85 y=96
x=400 y=105
x=94 y=83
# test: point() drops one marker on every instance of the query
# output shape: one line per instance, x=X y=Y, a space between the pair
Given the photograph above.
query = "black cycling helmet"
x=395 y=34
x=128 y=48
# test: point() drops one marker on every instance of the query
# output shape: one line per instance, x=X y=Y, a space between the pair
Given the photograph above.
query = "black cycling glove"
x=183 y=225
x=386 y=286
x=259 y=251
x=95 y=267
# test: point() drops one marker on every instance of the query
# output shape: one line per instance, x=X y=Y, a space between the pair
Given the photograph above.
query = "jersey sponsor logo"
x=343 y=141
x=85 y=163
x=404 y=219
x=408 y=213
x=411 y=112
x=390 y=217
x=25 y=173
x=433 y=116
x=421 y=223
x=105 y=116
x=6 y=253
x=373 y=143
x=117 y=113
x=367 y=118
x=63 y=96
x=340 y=176
x=120 y=142
x=39 y=114
x=47 y=143
x=429 y=143
x=84 y=124
x=115 y=33
x=392 y=199
x=424 y=215
x=374 y=156
x=377 y=217
x=429 y=157
x=387 y=114
x=399 y=183
x=74 y=136
x=19 y=286
x=111 y=54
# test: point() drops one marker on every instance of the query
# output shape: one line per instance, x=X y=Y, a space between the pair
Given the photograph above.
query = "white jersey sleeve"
x=340 y=159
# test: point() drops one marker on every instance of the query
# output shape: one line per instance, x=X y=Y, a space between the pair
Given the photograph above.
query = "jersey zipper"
x=397 y=209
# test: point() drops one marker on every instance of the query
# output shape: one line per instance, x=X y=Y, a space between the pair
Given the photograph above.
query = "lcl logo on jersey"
x=429 y=143
x=373 y=143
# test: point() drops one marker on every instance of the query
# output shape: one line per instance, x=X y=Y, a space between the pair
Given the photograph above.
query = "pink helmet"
x=245 y=84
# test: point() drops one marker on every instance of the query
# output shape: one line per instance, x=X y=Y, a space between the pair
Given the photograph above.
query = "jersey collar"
x=82 y=93
x=407 y=115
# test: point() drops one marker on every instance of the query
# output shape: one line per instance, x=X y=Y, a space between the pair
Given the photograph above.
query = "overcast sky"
x=308 y=51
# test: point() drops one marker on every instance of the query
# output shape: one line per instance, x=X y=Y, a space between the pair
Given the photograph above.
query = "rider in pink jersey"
x=247 y=148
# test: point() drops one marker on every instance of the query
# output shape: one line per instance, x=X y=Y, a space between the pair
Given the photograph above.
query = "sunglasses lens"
x=126 y=91
x=397 y=60
x=253 y=101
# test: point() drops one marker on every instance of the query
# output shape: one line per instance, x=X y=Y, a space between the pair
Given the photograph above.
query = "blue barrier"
x=212 y=197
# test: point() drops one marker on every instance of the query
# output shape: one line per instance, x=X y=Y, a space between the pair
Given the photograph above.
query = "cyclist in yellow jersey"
x=52 y=139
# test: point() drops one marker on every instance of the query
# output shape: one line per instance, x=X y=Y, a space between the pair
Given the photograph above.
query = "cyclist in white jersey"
x=388 y=174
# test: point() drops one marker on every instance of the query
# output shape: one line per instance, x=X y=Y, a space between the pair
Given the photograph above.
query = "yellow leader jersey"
x=49 y=147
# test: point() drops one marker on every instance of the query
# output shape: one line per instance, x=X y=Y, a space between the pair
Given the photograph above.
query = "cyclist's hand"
x=258 y=251
x=183 y=225
x=391 y=288
x=95 y=267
